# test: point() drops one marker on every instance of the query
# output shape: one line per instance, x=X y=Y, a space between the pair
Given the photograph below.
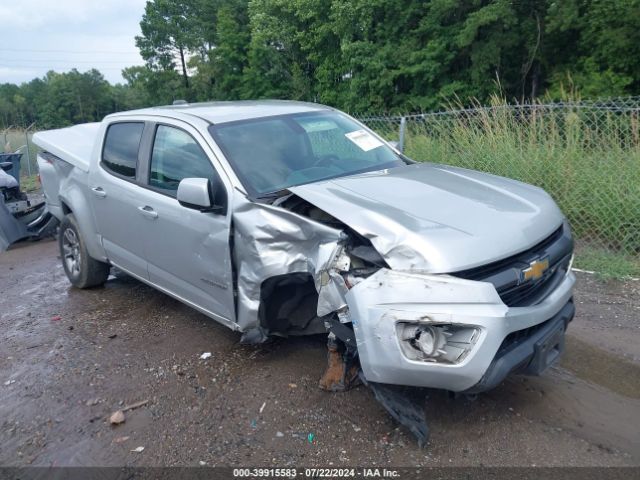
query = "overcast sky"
x=41 y=35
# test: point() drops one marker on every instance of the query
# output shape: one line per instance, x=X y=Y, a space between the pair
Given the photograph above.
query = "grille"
x=505 y=274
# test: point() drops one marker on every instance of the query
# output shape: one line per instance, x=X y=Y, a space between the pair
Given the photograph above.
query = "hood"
x=437 y=218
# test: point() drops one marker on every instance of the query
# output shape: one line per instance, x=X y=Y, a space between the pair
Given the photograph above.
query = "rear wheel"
x=82 y=270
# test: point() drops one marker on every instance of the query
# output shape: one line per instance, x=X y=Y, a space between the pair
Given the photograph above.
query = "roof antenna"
x=180 y=102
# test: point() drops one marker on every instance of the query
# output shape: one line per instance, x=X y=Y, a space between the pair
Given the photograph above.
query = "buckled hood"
x=436 y=218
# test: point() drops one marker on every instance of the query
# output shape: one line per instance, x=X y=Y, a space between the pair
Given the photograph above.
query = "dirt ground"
x=69 y=358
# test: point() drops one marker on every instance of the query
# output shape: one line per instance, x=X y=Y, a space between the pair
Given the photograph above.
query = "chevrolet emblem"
x=535 y=270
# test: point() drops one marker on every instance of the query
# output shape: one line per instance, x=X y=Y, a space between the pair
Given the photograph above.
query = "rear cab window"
x=120 y=150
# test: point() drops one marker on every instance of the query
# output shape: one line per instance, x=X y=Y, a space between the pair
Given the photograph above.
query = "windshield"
x=273 y=153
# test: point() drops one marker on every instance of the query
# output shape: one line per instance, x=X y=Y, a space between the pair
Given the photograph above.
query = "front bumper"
x=377 y=304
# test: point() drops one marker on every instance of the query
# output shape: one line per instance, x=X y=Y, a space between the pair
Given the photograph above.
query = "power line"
x=58 y=67
x=42 y=60
x=91 y=52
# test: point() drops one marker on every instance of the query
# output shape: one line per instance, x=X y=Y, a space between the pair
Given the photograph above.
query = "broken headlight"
x=444 y=343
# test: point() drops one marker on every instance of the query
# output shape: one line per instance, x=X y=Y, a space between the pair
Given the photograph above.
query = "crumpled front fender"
x=270 y=241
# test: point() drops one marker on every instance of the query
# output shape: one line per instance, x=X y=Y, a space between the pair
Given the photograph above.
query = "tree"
x=149 y=87
x=219 y=70
x=595 y=47
x=170 y=30
x=228 y=58
x=73 y=97
x=358 y=55
x=274 y=51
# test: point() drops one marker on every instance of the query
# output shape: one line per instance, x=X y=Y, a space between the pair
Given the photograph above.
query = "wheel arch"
x=288 y=305
x=75 y=202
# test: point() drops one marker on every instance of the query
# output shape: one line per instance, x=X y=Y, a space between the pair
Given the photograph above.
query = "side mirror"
x=195 y=193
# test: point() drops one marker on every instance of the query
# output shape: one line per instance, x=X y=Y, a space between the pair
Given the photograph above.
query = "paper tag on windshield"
x=363 y=139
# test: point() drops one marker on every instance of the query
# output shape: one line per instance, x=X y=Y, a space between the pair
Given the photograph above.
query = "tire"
x=82 y=270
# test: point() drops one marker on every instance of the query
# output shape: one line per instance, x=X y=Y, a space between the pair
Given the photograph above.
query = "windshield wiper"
x=272 y=196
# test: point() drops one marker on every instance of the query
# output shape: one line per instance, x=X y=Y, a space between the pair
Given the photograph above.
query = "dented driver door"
x=187 y=250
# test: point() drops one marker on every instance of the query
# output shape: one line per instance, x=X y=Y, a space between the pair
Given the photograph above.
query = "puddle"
x=601 y=367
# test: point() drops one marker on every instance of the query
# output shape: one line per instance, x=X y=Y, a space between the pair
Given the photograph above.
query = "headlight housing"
x=439 y=343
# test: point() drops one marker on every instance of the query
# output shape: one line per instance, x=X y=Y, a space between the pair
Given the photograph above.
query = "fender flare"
x=76 y=201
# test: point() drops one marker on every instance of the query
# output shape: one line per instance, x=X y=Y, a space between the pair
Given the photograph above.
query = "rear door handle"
x=99 y=192
x=148 y=212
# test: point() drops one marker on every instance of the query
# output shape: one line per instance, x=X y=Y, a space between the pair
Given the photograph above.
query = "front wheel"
x=82 y=270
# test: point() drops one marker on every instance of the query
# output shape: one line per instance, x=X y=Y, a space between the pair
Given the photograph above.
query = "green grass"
x=29 y=184
x=607 y=263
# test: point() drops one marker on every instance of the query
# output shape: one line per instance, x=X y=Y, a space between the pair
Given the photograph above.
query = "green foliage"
x=607 y=263
x=57 y=99
x=170 y=29
x=29 y=184
x=147 y=87
x=229 y=59
x=358 y=55
x=595 y=45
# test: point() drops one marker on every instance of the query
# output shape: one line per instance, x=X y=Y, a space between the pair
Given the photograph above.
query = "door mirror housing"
x=196 y=193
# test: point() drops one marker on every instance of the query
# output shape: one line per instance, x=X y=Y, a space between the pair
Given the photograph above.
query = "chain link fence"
x=585 y=154
x=18 y=140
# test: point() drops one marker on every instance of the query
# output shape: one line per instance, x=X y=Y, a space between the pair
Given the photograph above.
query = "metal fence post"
x=26 y=137
x=403 y=126
x=5 y=137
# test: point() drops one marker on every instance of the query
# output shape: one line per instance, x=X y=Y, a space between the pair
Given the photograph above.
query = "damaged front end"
x=391 y=324
x=294 y=267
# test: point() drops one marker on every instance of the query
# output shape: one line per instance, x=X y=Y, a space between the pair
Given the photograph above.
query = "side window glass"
x=121 y=144
x=176 y=155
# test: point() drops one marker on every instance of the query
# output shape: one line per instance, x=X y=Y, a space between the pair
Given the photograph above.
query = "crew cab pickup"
x=281 y=218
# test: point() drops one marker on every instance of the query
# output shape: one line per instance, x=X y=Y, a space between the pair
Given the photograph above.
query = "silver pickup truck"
x=288 y=218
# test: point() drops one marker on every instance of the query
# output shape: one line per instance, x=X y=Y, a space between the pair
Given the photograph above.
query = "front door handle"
x=99 y=192
x=148 y=212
